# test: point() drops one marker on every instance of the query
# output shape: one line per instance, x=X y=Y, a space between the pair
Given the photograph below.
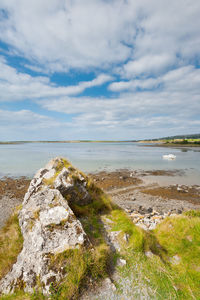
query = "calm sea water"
x=26 y=159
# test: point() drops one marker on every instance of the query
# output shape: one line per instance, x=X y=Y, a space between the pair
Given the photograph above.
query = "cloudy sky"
x=99 y=69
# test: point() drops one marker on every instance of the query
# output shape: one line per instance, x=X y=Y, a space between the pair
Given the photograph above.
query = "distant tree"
x=184 y=141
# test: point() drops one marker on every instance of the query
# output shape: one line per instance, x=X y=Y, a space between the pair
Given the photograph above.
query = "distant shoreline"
x=172 y=145
x=140 y=143
x=61 y=142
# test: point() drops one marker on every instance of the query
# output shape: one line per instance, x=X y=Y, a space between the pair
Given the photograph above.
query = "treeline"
x=186 y=136
x=184 y=142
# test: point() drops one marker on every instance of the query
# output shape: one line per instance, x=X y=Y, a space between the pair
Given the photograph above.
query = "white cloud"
x=132 y=112
x=132 y=85
x=148 y=64
x=184 y=80
x=61 y=34
x=26 y=119
x=27 y=125
x=64 y=34
x=34 y=68
x=174 y=106
x=20 y=86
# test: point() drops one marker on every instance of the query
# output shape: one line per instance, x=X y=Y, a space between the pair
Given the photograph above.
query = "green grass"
x=192 y=213
x=17 y=296
x=180 y=236
x=20 y=295
x=121 y=222
x=11 y=242
x=152 y=273
x=80 y=265
x=176 y=236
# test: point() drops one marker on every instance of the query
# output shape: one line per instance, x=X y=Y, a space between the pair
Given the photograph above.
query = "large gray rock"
x=48 y=225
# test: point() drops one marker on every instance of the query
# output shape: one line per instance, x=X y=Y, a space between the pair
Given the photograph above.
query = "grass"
x=149 y=274
x=17 y=296
x=192 y=213
x=11 y=242
x=180 y=236
x=74 y=266
x=20 y=295
x=79 y=265
x=161 y=275
x=121 y=222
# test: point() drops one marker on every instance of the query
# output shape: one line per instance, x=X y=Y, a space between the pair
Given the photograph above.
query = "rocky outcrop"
x=48 y=225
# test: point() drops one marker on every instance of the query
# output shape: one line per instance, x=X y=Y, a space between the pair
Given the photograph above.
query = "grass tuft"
x=180 y=237
x=124 y=224
x=192 y=213
x=11 y=243
x=79 y=265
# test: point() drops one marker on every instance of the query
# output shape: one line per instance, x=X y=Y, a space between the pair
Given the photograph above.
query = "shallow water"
x=26 y=159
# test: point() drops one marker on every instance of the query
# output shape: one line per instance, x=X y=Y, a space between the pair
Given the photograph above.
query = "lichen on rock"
x=48 y=225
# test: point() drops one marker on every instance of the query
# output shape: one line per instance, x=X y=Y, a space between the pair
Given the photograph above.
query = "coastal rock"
x=121 y=262
x=149 y=254
x=175 y=260
x=48 y=225
x=149 y=220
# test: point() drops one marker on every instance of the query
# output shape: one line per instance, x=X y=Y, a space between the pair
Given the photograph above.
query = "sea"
x=25 y=159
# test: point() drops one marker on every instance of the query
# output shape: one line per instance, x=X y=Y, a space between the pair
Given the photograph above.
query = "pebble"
x=175 y=260
x=148 y=221
x=149 y=254
x=126 y=237
x=189 y=238
x=121 y=262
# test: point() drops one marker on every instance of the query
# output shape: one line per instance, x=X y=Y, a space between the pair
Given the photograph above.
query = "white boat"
x=169 y=156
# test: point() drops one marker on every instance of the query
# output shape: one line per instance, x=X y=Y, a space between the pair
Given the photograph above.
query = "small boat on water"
x=169 y=156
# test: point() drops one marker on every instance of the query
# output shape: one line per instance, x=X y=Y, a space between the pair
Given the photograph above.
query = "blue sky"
x=97 y=69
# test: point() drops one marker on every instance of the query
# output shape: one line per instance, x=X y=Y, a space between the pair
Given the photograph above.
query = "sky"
x=99 y=69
